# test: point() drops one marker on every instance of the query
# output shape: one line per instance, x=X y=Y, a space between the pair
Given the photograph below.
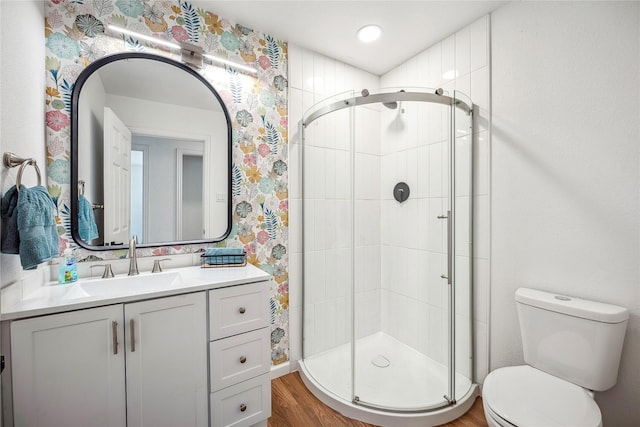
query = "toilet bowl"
x=524 y=396
x=571 y=346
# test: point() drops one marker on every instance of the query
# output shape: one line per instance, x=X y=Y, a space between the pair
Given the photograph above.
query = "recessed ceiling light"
x=369 y=33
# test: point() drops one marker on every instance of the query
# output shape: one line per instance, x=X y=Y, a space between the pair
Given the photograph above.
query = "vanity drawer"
x=238 y=309
x=243 y=404
x=239 y=358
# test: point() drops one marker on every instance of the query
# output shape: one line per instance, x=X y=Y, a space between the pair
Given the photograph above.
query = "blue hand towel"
x=87 y=227
x=31 y=224
x=10 y=236
x=223 y=251
x=36 y=226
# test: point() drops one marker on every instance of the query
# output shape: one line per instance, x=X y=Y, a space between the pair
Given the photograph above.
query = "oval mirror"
x=150 y=155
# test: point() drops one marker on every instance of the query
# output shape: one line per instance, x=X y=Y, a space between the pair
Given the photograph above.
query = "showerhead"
x=393 y=104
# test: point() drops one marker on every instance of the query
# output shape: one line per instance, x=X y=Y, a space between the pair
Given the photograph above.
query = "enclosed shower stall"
x=387 y=255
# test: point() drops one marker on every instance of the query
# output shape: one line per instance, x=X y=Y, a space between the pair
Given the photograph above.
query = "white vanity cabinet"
x=68 y=369
x=197 y=356
x=240 y=355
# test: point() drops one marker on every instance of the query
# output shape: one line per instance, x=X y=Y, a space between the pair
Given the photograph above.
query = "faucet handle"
x=157 y=267
x=108 y=272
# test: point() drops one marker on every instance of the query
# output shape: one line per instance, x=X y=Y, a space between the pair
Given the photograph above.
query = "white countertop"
x=54 y=298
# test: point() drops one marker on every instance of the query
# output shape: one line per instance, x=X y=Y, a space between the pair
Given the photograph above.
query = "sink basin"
x=123 y=286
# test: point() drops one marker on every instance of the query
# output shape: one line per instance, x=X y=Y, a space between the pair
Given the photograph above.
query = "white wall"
x=565 y=189
x=91 y=139
x=22 y=85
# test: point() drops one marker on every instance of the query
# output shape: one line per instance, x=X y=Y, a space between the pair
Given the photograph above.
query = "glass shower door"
x=401 y=311
x=327 y=255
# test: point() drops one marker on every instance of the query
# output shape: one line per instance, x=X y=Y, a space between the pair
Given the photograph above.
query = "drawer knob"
x=243 y=407
x=242 y=310
x=243 y=359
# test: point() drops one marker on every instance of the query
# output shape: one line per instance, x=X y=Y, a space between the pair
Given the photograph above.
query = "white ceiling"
x=329 y=27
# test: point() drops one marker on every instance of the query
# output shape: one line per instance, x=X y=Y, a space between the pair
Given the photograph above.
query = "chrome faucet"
x=133 y=259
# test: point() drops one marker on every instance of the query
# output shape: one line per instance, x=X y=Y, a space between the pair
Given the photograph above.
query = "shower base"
x=389 y=374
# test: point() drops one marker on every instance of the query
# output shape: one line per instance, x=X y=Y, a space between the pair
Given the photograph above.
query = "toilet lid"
x=528 y=397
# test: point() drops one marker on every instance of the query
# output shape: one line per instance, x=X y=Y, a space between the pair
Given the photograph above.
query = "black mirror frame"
x=81 y=80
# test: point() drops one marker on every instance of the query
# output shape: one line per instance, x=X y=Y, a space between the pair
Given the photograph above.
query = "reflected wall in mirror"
x=150 y=155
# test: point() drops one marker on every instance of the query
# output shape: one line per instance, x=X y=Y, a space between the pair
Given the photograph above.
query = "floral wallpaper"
x=77 y=34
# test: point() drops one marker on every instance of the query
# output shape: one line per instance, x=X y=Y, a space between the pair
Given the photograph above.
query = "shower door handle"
x=448 y=276
x=450 y=255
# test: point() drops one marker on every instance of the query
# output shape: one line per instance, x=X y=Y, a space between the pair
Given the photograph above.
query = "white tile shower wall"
x=326 y=174
x=368 y=270
x=418 y=155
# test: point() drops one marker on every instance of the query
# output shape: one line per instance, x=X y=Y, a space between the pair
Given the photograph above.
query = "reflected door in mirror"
x=117 y=179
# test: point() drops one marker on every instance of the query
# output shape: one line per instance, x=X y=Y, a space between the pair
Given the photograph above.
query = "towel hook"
x=81 y=187
x=10 y=160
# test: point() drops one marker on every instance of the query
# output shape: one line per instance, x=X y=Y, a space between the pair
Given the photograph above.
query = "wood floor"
x=294 y=406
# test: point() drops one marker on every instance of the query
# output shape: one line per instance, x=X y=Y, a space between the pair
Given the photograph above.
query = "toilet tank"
x=572 y=338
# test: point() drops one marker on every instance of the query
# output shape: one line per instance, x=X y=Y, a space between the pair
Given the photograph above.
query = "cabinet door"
x=166 y=341
x=68 y=369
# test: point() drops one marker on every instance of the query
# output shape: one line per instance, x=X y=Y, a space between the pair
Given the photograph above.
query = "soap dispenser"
x=68 y=272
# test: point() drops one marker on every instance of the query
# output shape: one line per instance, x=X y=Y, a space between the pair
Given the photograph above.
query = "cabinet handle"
x=243 y=359
x=133 y=335
x=114 y=334
x=242 y=310
x=243 y=407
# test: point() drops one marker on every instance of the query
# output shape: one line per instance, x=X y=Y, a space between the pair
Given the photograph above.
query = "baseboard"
x=280 y=370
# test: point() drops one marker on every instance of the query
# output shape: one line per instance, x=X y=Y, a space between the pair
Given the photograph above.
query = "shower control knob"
x=401 y=192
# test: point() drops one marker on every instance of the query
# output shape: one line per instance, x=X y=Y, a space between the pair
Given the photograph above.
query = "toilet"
x=572 y=348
